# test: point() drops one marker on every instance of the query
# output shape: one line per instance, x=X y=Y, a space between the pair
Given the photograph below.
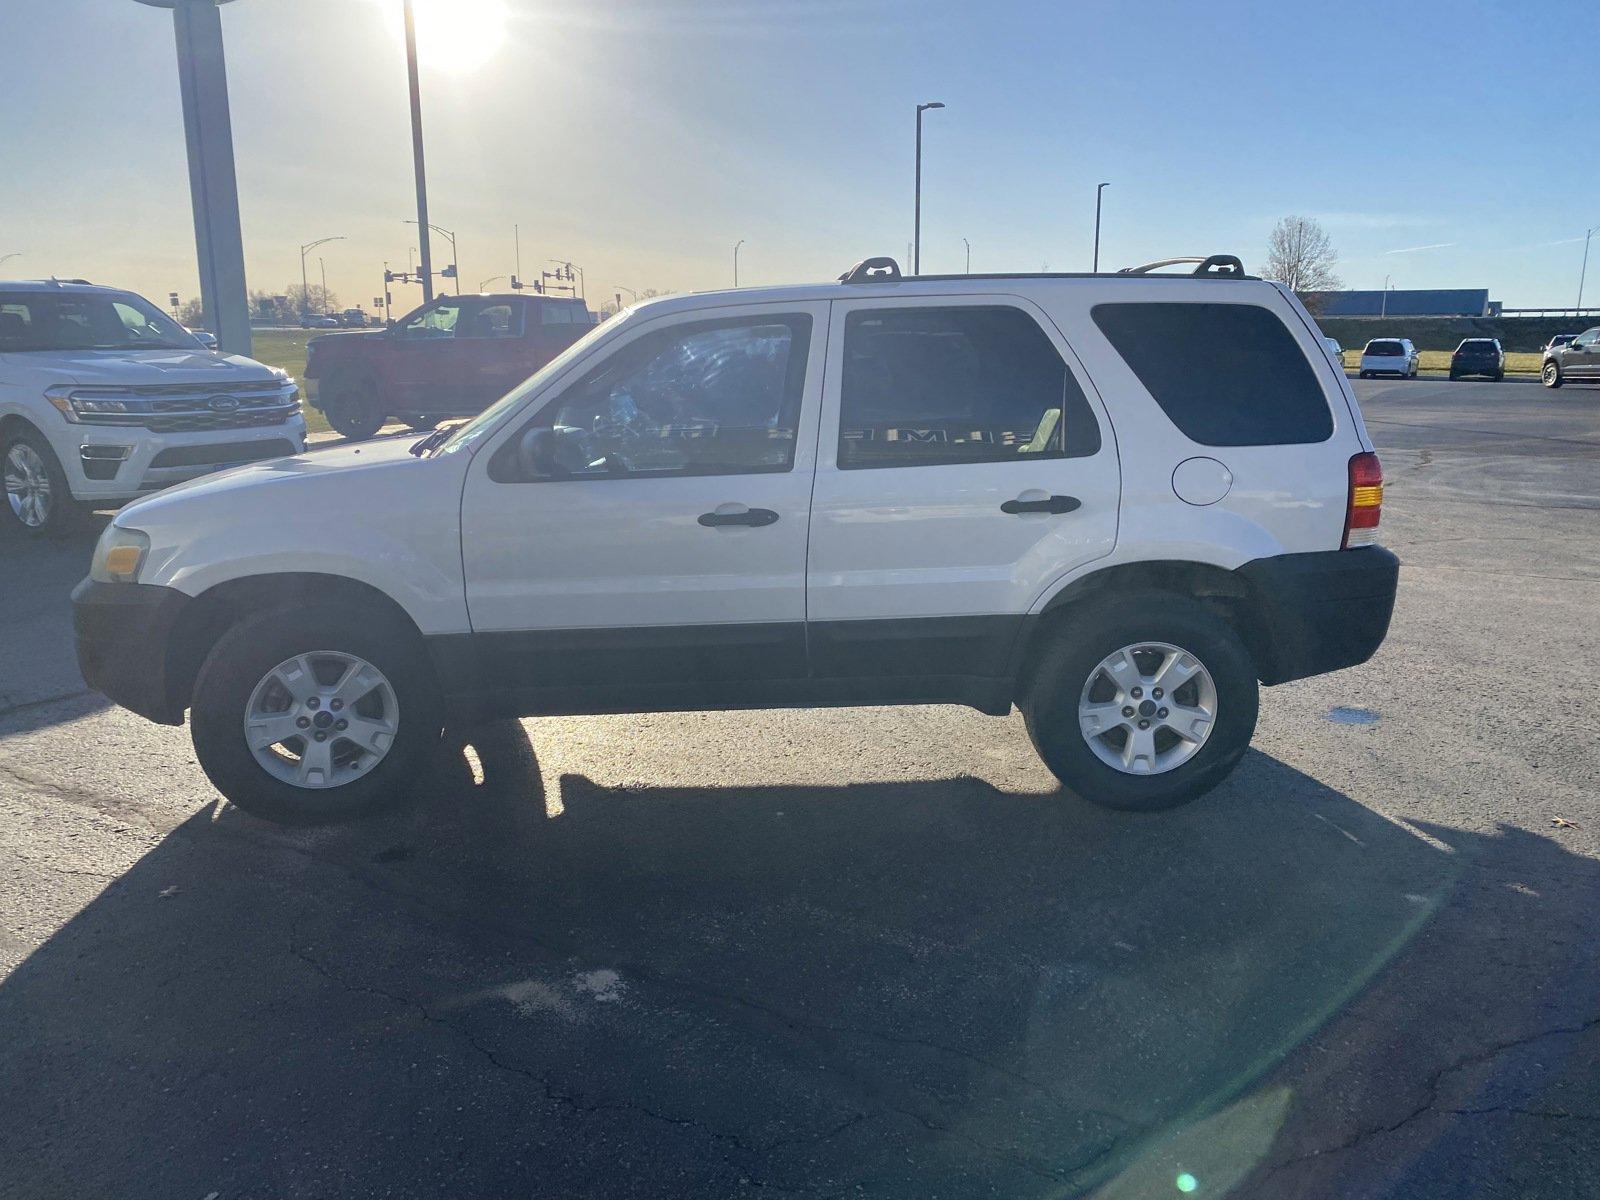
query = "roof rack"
x=1224 y=266
x=873 y=270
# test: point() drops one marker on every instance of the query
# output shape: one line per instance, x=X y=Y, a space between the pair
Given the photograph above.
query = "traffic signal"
x=388 y=275
x=516 y=284
x=449 y=272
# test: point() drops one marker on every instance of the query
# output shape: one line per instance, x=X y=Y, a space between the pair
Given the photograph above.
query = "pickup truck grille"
x=187 y=407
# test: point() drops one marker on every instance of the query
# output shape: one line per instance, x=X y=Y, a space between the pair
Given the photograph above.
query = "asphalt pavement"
x=857 y=952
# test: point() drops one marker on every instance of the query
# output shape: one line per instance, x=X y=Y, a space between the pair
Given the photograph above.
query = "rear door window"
x=1225 y=374
x=939 y=385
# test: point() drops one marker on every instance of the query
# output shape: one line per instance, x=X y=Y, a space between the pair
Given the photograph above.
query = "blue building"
x=1424 y=302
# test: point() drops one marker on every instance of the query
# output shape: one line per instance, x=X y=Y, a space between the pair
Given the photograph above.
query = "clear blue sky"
x=642 y=139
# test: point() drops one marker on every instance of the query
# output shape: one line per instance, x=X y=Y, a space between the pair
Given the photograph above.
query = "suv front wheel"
x=315 y=714
x=1550 y=374
x=37 y=494
x=1144 y=705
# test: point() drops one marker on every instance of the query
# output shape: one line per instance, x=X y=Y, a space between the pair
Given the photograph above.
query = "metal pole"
x=416 y=153
x=323 y=267
x=213 y=187
x=736 y=246
x=1383 y=311
x=968 y=245
x=916 y=231
x=1583 y=274
x=305 y=288
x=1097 y=192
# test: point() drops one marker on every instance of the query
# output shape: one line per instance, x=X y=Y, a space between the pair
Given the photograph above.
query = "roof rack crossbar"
x=1224 y=266
x=873 y=270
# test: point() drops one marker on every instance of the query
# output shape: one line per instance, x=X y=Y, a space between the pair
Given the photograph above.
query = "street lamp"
x=455 y=260
x=416 y=153
x=968 y=245
x=483 y=284
x=736 y=246
x=1587 y=234
x=13 y=254
x=1383 y=310
x=1099 y=188
x=916 y=234
x=305 y=290
x=323 y=267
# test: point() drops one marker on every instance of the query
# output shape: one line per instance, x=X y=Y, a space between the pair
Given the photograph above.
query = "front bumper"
x=1321 y=611
x=119 y=463
x=123 y=632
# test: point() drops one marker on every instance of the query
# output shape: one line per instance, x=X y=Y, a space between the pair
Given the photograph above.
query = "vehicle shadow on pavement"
x=918 y=988
x=39 y=680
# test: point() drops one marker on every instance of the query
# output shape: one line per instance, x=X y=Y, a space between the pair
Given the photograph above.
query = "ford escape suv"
x=1118 y=502
x=104 y=398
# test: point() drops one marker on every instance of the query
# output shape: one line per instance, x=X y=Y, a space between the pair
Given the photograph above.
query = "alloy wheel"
x=27 y=483
x=1147 y=708
x=321 y=719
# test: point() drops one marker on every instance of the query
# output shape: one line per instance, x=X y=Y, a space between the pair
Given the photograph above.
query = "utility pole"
x=1587 y=234
x=1097 y=192
x=916 y=226
x=416 y=153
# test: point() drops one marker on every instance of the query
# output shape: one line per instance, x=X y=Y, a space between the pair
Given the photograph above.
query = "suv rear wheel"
x=315 y=714
x=37 y=494
x=353 y=406
x=1145 y=705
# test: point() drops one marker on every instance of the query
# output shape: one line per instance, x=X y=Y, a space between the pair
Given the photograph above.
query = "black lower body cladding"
x=1320 y=611
x=122 y=632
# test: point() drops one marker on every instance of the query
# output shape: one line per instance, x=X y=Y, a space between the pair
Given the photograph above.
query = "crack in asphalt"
x=574 y=1102
x=30 y=705
x=1434 y=1084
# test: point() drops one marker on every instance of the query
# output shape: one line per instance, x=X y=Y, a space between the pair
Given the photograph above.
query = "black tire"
x=1550 y=374
x=1454 y=376
x=353 y=406
x=421 y=424
x=1362 y=374
x=257 y=644
x=62 y=514
x=1050 y=708
x=1499 y=376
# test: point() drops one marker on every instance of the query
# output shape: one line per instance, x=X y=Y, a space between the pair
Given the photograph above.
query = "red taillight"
x=1365 y=505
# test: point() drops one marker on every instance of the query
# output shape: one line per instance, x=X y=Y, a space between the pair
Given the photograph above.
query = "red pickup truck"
x=451 y=358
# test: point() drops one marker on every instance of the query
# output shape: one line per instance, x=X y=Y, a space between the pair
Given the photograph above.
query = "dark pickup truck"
x=451 y=358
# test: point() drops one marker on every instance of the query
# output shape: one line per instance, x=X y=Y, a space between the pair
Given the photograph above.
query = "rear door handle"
x=1051 y=504
x=750 y=516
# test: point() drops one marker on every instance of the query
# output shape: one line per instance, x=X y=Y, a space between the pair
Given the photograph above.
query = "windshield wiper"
x=435 y=439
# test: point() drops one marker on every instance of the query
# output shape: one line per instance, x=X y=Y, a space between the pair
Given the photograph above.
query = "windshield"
x=87 y=321
x=466 y=435
x=1384 y=349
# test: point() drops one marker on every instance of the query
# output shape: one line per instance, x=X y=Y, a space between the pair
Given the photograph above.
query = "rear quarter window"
x=1224 y=374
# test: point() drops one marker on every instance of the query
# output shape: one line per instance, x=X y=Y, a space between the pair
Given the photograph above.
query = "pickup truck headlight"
x=118 y=555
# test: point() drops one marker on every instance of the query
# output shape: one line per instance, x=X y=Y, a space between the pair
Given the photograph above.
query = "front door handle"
x=1051 y=504
x=750 y=516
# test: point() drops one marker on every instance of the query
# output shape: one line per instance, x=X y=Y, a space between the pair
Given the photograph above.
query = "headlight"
x=118 y=555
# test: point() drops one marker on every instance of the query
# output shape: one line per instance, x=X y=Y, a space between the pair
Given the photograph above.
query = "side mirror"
x=538 y=454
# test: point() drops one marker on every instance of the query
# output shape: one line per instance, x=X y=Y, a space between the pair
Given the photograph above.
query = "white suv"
x=103 y=398
x=1115 y=501
x=1390 y=356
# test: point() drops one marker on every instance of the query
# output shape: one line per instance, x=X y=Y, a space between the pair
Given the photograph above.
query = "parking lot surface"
x=858 y=952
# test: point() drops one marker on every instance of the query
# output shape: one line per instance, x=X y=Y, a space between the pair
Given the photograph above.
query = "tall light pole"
x=213 y=187
x=916 y=225
x=455 y=260
x=736 y=246
x=968 y=245
x=483 y=284
x=1099 y=188
x=323 y=267
x=305 y=290
x=13 y=254
x=416 y=153
x=1383 y=310
x=1587 y=234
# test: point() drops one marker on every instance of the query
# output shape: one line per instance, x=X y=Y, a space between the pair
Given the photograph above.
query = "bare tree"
x=1300 y=254
x=190 y=314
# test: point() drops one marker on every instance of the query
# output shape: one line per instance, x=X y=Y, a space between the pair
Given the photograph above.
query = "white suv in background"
x=1117 y=501
x=1390 y=356
x=104 y=398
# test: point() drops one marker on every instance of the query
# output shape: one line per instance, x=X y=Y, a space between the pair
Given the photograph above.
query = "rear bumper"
x=122 y=632
x=1322 y=611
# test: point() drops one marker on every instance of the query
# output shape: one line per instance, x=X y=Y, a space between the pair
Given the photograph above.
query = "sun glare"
x=454 y=35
